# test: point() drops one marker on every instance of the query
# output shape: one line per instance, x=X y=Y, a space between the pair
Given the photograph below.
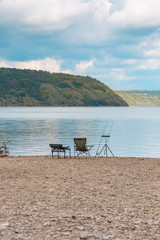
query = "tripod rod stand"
x=105 y=147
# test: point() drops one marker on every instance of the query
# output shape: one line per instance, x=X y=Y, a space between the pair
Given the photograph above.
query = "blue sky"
x=115 y=41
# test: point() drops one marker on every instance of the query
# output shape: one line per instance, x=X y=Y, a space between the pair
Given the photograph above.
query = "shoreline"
x=79 y=198
x=75 y=157
x=129 y=106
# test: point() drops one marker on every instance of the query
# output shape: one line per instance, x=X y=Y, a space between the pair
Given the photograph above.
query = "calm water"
x=135 y=131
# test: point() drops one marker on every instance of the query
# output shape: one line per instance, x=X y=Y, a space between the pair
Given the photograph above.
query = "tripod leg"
x=101 y=151
x=106 y=149
x=110 y=151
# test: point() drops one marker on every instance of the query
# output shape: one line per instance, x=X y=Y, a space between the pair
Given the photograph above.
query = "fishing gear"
x=101 y=138
x=105 y=147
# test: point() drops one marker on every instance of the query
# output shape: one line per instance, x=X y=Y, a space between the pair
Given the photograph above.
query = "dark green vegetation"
x=140 y=98
x=39 y=88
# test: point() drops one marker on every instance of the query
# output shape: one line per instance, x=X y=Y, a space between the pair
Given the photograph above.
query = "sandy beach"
x=93 y=198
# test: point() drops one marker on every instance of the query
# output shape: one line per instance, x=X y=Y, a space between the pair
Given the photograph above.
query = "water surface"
x=135 y=131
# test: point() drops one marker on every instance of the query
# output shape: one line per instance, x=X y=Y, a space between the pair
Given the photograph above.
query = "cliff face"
x=39 y=88
x=140 y=98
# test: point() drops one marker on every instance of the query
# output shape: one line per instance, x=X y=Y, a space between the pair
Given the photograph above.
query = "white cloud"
x=131 y=61
x=47 y=64
x=152 y=48
x=83 y=66
x=100 y=9
x=150 y=61
x=92 y=19
x=42 y=14
x=88 y=28
x=144 y=63
x=152 y=53
x=149 y=64
x=57 y=14
x=137 y=13
x=118 y=74
x=3 y=64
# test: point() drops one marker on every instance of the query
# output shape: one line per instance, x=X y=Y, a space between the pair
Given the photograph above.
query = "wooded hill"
x=140 y=98
x=39 y=88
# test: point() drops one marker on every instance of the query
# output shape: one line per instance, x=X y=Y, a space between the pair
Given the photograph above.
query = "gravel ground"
x=93 y=198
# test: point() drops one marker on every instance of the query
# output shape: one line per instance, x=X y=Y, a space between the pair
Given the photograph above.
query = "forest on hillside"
x=40 y=88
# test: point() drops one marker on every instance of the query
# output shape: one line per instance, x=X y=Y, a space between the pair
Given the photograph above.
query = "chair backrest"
x=80 y=144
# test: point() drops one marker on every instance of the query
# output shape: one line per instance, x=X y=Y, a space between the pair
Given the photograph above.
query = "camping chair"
x=80 y=147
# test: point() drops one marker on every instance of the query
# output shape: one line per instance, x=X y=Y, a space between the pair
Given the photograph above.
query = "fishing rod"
x=106 y=138
x=101 y=137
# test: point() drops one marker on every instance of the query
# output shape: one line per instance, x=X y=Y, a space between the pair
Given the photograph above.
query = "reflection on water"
x=134 y=131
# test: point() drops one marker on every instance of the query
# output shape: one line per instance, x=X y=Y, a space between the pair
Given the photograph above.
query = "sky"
x=115 y=41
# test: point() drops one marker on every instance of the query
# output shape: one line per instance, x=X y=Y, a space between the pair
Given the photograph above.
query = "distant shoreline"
x=78 y=106
x=67 y=106
x=140 y=97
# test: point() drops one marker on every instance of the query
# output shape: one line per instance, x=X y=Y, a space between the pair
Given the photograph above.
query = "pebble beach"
x=79 y=198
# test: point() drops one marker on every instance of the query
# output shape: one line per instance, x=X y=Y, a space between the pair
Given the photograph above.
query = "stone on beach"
x=86 y=198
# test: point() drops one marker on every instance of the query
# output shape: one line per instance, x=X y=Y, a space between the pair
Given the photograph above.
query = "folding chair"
x=81 y=148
